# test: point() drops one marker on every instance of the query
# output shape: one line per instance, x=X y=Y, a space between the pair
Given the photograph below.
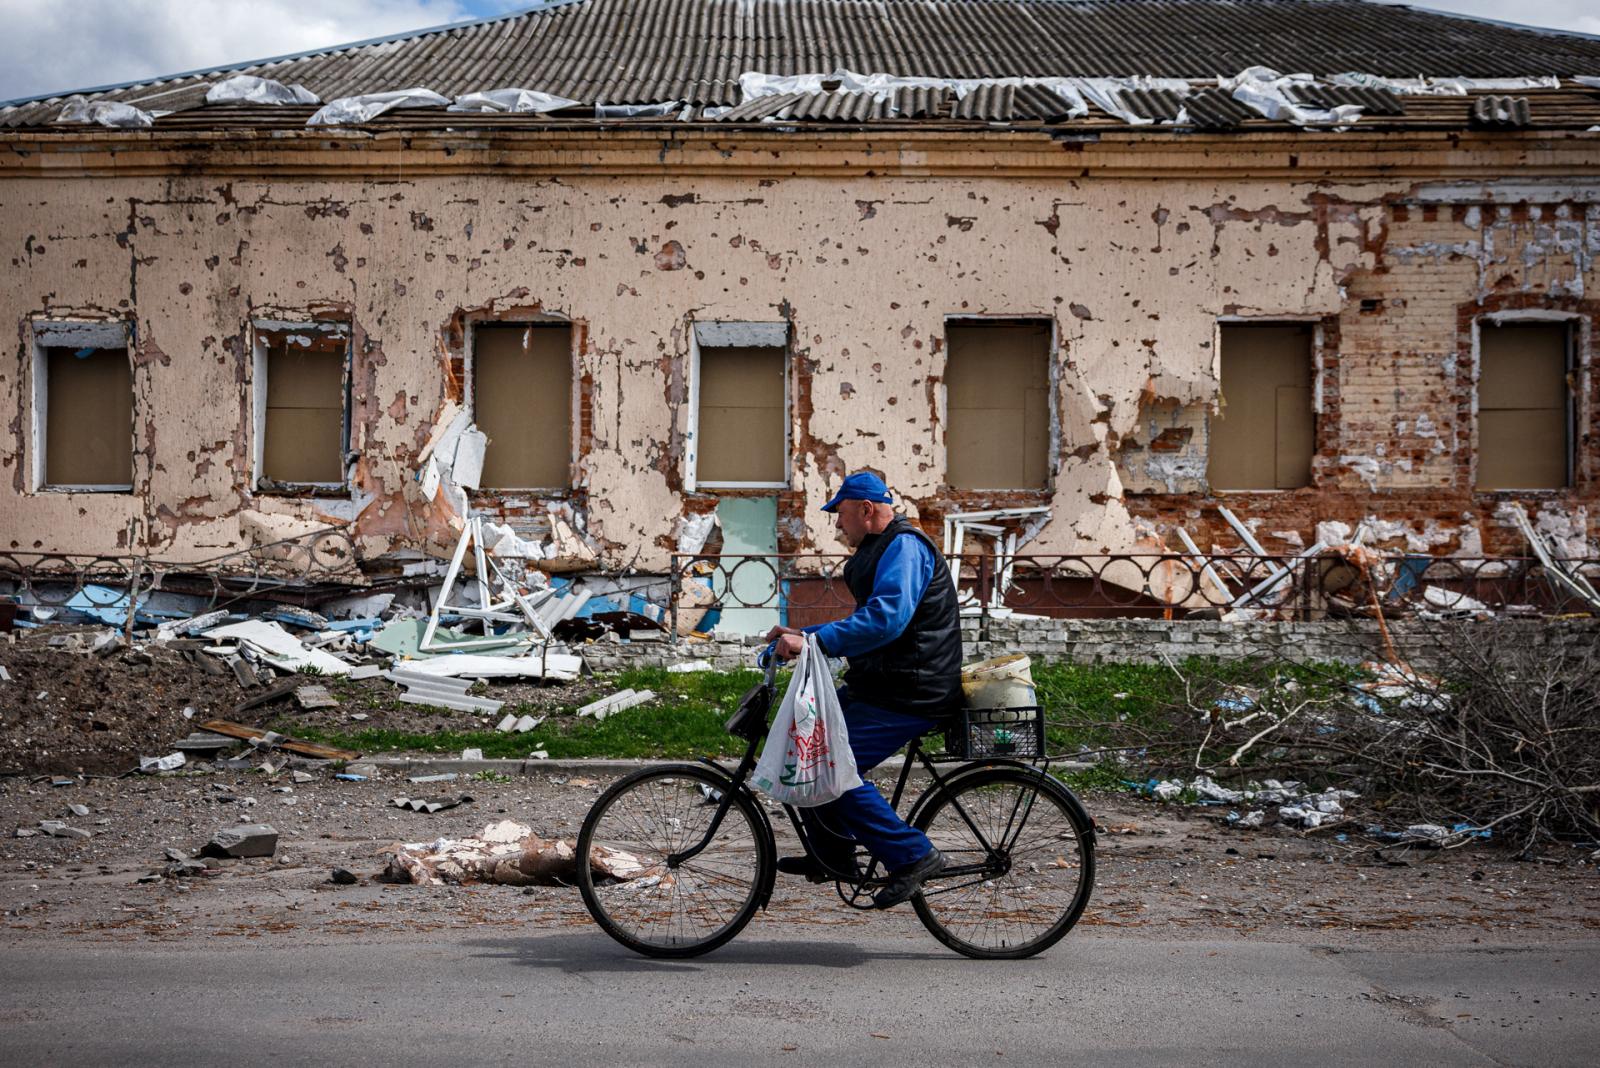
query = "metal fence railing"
x=810 y=588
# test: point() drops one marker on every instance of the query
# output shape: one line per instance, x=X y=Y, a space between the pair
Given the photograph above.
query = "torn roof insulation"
x=617 y=52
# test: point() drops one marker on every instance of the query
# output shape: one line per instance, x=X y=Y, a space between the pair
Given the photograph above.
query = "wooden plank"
x=292 y=745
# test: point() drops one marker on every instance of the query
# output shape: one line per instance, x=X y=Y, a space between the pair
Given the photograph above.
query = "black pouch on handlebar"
x=750 y=721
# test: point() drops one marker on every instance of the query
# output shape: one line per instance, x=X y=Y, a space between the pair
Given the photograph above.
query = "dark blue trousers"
x=863 y=815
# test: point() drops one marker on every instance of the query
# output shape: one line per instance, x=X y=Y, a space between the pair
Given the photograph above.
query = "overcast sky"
x=70 y=44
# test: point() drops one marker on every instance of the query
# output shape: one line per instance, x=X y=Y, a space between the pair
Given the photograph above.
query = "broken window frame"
x=1052 y=460
x=470 y=397
x=769 y=334
x=1318 y=325
x=49 y=334
x=1577 y=377
x=261 y=332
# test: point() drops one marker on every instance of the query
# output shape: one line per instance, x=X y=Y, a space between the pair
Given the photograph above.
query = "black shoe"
x=908 y=880
x=810 y=868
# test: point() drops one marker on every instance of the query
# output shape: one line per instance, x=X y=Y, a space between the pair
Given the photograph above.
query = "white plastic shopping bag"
x=807 y=759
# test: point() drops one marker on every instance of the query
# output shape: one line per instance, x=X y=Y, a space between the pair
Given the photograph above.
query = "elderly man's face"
x=852 y=521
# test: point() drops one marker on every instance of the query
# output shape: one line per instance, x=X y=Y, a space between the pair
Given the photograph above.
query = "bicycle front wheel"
x=644 y=900
x=1019 y=856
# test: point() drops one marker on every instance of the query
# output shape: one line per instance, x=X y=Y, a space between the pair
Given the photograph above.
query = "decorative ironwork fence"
x=810 y=588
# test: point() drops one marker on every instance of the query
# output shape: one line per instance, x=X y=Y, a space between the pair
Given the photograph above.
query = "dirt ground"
x=1163 y=870
x=73 y=712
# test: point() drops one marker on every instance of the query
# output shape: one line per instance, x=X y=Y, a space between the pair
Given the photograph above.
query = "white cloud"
x=54 y=45
x=1579 y=15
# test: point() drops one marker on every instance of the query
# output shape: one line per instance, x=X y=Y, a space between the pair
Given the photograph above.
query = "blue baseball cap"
x=861 y=486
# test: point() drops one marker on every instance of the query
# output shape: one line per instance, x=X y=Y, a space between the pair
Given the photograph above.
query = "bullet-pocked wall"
x=1137 y=256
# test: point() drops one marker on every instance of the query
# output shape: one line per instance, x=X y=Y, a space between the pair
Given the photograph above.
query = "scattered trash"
x=170 y=762
x=446 y=776
x=255 y=736
x=690 y=667
x=429 y=804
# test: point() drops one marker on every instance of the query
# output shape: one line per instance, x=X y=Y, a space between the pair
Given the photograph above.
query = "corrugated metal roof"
x=1157 y=105
x=1500 y=111
x=988 y=103
x=644 y=51
x=1216 y=109
x=1371 y=101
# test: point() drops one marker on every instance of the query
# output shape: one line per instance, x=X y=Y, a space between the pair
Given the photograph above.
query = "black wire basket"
x=996 y=732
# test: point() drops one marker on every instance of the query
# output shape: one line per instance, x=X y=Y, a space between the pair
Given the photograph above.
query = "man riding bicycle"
x=903 y=642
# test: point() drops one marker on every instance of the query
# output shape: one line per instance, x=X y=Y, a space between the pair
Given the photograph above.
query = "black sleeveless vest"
x=920 y=671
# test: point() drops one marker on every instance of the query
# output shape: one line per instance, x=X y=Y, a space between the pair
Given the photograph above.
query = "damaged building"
x=626 y=278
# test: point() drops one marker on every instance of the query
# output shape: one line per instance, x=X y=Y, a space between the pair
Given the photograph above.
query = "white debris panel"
x=248 y=89
x=351 y=110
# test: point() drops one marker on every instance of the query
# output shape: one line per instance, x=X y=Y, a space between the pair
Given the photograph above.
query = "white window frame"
x=258 y=403
x=67 y=333
x=772 y=334
x=1052 y=458
x=1578 y=365
x=574 y=397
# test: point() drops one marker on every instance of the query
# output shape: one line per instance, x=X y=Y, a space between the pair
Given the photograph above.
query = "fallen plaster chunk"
x=248 y=89
x=280 y=648
x=312 y=697
x=105 y=113
x=519 y=101
x=350 y=110
x=508 y=853
x=170 y=762
x=248 y=840
x=689 y=667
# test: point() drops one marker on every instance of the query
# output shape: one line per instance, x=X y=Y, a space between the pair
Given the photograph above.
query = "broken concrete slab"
x=246 y=840
x=314 y=697
x=58 y=829
x=170 y=762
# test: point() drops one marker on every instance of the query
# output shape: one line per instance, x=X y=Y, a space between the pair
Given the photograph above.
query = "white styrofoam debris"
x=349 y=110
x=248 y=89
x=105 y=113
x=521 y=101
x=1267 y=91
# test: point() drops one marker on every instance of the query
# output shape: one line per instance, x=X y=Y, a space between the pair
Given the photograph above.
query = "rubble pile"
x=1501 y=742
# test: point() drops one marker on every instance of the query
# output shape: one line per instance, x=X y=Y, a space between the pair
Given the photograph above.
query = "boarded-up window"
x=997 y=381
x=522 y=399
x=1524 y=406
x=1263 y=435
x=743 y=421
x=88 y=425
x=304 y=423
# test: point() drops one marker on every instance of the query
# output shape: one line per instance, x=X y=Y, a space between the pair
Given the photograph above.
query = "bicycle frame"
x=736 y=783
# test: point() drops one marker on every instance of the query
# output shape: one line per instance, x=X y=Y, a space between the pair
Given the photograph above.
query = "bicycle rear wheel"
x=644 y=901
x=1019 y=855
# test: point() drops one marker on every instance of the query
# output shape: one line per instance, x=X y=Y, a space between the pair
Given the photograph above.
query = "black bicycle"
x=675 y=860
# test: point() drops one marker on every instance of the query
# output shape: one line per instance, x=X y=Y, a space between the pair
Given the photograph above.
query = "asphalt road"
x=851 y=996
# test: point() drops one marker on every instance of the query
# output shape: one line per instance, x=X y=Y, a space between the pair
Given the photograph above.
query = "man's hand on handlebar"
x=786 y=642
